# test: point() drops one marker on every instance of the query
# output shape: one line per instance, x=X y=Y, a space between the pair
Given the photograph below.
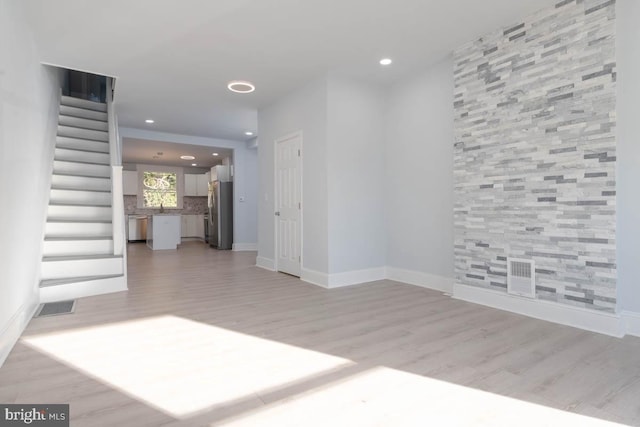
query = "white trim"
x=315 y=277
x=341 y=280
x=266 y=263
x=244 y=247
x=631 y=323
x=83 y=289
x=423 y=280
x=590 y=320
x=15 y=326
x=350 y=278
x=296 y=134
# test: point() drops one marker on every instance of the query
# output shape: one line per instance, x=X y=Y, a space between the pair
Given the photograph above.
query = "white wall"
x=29 y=98
x=418 y=194
x=244 y=219
x=628 y=154
x=304 y=110
x=356 y=176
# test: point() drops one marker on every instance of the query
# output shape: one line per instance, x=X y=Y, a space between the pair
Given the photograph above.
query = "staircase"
x=78 y=255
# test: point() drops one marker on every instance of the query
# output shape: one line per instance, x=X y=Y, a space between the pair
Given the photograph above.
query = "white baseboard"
x=350 y=278
x=315 y=277
x=341 y=280
x=244 y=247
x=418 y=278
x=631 y=323
x=15 y=326
x=266 y=263
x=590 y=320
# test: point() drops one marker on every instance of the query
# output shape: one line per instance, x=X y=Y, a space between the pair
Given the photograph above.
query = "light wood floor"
x=203 y=337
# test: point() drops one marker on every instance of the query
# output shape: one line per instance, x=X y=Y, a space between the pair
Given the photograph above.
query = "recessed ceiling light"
x=149 y=121
x=215 y=154
x=187 y=157
x=249 y=133
x=240 y=86
x=194 y=164
x=385 y=61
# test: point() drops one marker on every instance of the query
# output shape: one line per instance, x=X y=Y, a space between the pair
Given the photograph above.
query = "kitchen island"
x=163 y=231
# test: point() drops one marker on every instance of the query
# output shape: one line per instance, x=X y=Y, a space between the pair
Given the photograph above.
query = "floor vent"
x=56 y=308
x=521 y=277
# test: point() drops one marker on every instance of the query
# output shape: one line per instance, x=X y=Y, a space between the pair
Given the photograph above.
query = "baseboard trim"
x=594 y=321
x=423 y=280
x=244 y=247
x=15 y=327
x=631 y=323
x=315 y=278
x=341 y=280
x=357 y=277
x=266 y=263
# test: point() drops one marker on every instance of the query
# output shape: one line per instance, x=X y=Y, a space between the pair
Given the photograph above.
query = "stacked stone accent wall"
x=535 y=154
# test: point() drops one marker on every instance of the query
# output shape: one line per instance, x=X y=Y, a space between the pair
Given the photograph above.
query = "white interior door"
x=288 y=206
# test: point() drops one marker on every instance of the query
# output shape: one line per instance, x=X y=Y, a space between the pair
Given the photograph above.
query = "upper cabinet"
x=196 y=185
x=130 y=183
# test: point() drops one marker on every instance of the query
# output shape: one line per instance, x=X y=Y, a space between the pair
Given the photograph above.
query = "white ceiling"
x=150 y=152
x=173 y=58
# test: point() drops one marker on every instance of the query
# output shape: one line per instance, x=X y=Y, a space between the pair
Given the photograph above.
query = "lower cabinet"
x=193 y=226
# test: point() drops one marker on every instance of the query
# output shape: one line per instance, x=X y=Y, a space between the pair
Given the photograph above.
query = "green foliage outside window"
x=160 y=188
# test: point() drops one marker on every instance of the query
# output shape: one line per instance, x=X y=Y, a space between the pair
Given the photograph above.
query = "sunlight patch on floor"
x=179 y=366
x=386 y=397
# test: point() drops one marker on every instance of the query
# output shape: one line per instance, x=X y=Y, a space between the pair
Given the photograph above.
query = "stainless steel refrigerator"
x=220 y=230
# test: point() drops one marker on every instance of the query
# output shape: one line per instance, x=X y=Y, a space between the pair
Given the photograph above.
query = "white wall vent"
x=521 y=277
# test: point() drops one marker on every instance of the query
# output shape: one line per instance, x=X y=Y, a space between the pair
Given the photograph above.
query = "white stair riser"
x=80 y=197
x=80 y=182
x=80 y=122
x=72 y=132
x=77 y=247
x=67 y=110
x=82 y=289
x=81 y=268
x=78 y=229
x=81 y=169
x=82 y=144
x=82 y=156
x=82 y=103
x=96 y=213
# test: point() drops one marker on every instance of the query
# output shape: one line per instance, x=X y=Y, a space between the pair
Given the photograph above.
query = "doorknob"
x=277 y=213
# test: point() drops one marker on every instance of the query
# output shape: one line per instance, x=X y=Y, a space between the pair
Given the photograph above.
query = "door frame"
x=296 y=134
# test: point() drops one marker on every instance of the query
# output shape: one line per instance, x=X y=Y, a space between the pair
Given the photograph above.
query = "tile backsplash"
x=190 y=205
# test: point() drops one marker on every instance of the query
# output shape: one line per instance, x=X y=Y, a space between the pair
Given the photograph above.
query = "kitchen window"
x=160 y=185
x=160 y=189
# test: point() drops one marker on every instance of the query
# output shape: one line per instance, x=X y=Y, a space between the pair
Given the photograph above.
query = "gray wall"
x=418 y=191
x=355 y=172
x=28 y=119
x=304 y=110
x=628 y=172
x=534 y=161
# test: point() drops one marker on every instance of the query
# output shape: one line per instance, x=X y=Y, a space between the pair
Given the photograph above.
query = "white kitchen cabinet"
x=190 y=185
x=202 y=184
x=199 y=228
x=196 y=185
x=192 y=226
x=130 y=183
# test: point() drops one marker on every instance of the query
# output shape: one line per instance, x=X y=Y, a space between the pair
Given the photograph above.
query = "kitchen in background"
x=203 y=193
